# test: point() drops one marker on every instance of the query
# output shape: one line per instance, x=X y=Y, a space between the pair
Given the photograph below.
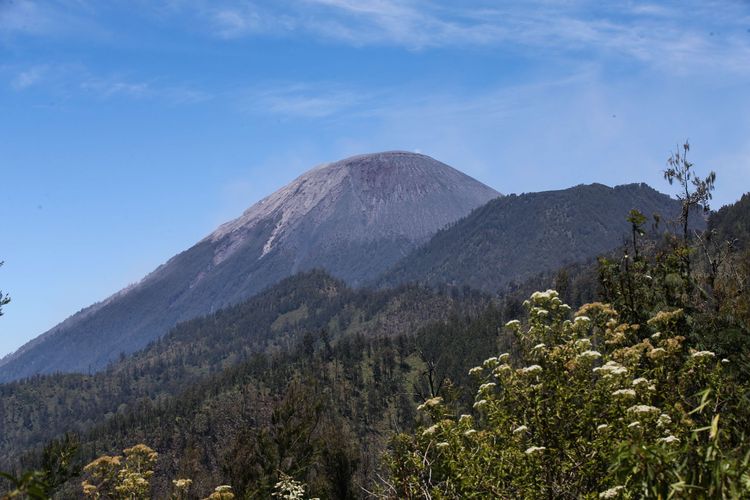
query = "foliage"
x=593 y=406
x=4 y=298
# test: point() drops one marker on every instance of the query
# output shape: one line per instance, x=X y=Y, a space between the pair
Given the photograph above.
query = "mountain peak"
x=396 y=194
x=354 y=218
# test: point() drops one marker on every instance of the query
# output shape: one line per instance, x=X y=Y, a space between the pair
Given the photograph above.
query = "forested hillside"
x=518 y=236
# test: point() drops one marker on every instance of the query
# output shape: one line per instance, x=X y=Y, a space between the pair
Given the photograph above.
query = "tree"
x=4 y=298
x=694 y=191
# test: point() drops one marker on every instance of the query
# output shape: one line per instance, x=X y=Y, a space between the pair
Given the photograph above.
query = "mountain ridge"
x=381 y=205
x=516 y=236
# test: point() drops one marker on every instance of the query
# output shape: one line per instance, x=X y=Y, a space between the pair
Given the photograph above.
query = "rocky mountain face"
x=518 y=236
x=354 y=218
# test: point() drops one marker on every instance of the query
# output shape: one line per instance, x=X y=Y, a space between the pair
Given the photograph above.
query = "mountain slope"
x=514 y=237
x=380 y=206
x=311 y=304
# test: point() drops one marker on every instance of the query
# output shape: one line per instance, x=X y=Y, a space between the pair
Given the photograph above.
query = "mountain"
x=355 y=218
x=517 y=236
x=731 y=223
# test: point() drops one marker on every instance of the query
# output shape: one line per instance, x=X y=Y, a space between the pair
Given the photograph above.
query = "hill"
x=517 y=236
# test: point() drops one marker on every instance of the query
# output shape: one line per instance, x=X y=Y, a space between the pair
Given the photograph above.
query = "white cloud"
x=304 y=100
x=28 y=78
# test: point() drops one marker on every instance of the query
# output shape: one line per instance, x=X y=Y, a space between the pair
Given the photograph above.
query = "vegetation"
x=312 y=389
x=593 y=406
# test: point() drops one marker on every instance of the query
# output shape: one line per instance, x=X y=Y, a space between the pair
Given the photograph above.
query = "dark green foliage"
x=516 y=237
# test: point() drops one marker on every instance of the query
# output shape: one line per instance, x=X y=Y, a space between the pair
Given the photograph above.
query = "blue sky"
x=130 y=129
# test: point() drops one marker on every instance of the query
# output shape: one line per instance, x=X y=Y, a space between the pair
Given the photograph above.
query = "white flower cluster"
x=669 y=440
x=429 y=403
x=430 y=430
x=590 y=355
x=539 y=296
x=486 y=387
x=611 y=368
x=520 y=429
x=703 y=354
x=531 y=370
x=643 y=410
x=612 y=492
x=538 y=346
x=664 y=420
x=630 y=393
x=476 y=370
x=534 y=449
x=490 y=362
x=583 y=343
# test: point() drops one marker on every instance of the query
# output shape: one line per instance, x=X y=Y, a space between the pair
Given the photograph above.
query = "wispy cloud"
x=670 y=36
x=75 y=81
x=304 y=100
x=28 y=78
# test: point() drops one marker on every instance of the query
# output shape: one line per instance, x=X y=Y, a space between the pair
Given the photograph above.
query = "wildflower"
x=430 y=402
x=502 y=368
x=487 y=386
x=542 y=312
x=602 y=427
x=656 y=335
x=430 y=430
x=643 y=410
x=503 y=357
x=702 y=354
x=513 y=324
x=640 y=381
x=664 y=420
x=520 y=429
x=582 y=319
x=612 y=492
x=489 y=362
x=583 y=343
x=624 y=392
x=470 y=432
x=611 y=368
x=590 y=354
x=465 y=419
x=538 y=346
x=536 y=296
x=182 y=484
x=534 y=449
x=634 y=425
x=668 y=440
x=657 y=353
x=725 y=361
x=530 y=370
x=476 y=370
x=481 y=403
x=442 y=445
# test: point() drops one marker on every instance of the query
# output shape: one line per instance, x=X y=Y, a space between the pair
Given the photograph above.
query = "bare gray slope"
x=355 y=218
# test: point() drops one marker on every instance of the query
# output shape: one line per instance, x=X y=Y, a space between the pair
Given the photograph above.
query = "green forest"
x=629 y=377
